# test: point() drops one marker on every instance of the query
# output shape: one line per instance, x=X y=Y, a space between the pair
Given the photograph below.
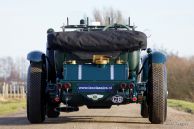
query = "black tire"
x=165 y=110
x=157 y=92
x=165 y=73
x=35 y=93
x=144 y=109
x=144 y=105
x=51 y=111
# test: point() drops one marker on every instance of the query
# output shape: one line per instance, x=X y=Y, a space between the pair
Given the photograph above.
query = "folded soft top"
x=97 y=41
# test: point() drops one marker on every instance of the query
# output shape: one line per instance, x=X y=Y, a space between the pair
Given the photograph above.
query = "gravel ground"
x=118 y=117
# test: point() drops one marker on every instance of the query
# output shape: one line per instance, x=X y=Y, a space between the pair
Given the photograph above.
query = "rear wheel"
x=157 y=92
x=144 y=109
x=35 y=93
x=52 y=112
x=51 y=73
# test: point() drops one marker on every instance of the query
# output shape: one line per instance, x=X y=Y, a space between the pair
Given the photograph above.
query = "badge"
x=117 y=99
x=95 y=96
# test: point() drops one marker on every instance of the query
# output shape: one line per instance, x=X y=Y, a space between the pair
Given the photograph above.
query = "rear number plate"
x=95 y=87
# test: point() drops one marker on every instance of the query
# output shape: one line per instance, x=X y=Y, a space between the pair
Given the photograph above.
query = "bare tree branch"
x=103 y=16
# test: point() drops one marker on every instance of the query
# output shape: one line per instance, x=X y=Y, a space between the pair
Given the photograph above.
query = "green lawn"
x=181 y=105
x=11 y=106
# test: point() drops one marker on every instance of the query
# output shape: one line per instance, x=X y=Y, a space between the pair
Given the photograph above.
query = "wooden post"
x=6 y=91
x=13 y=91
x=3 y=90
x=18 y=91
x=14 y=96
x=23 y=92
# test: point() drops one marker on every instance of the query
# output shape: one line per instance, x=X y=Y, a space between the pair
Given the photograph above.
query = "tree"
x=13 y=70
x=180 y=77
x=103 y=16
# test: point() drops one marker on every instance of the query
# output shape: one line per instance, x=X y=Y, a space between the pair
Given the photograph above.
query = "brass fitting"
x=71 y=62
x=100 y=59
x=119 y=61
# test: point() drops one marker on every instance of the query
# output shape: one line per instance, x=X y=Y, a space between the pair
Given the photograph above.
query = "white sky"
x=23 y=23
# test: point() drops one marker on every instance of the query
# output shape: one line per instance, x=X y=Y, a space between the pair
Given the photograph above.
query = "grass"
x=11 y=106
x=181 y=105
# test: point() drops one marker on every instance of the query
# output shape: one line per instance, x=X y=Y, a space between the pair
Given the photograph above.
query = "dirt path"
x=121 y=117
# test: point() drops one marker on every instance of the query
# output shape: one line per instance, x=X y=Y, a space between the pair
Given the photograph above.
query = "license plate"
x=95 y=87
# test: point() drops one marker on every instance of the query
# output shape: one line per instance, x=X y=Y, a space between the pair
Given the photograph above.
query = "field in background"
x=181 y=105
x=12 y=97
x=11 y=106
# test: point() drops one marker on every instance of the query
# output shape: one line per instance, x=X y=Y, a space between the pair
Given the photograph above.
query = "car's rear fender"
x=36 y=56
x=153 y=57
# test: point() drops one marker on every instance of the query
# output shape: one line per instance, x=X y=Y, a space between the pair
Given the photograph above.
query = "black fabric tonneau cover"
x=97 y=41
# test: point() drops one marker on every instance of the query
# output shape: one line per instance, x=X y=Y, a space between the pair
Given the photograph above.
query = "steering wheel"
x=116 y=26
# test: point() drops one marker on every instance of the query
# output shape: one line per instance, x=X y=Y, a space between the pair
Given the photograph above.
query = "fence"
x=14 y=90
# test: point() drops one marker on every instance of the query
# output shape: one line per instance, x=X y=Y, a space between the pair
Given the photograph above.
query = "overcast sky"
x=23 y=23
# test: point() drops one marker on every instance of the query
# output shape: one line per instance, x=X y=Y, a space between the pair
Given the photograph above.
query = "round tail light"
x=131 y=85
x=56 y=99
x=123 y=85
x=134 y=99
x=66 y=86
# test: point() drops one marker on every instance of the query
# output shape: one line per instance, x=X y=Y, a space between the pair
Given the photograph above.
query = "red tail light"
x=131 y=85
x=66 y=86
x=56 y=99
x=123 y=85
x=134 y=99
